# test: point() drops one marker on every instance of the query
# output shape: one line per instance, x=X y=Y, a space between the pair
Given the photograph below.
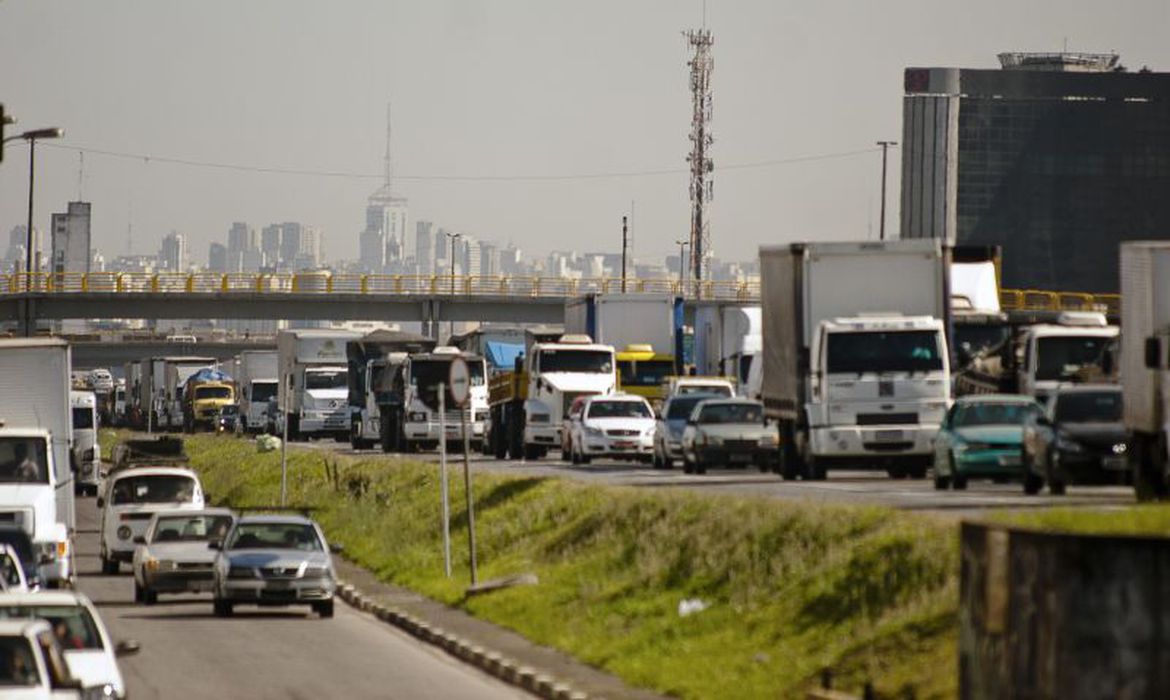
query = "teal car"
x=982 y=437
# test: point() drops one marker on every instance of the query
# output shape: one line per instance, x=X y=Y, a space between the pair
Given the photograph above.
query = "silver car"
x=274 y=560
x=173 y=556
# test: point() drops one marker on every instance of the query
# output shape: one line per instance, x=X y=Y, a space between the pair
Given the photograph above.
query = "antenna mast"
x=702 y=185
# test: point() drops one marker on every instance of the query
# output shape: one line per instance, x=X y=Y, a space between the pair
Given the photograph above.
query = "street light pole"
x=885 y=148
x=625 y=234
x=454 y=237
x=681 y=263
x=31 y=137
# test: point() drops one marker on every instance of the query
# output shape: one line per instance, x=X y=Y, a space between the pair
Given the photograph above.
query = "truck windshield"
x=1089 y=407
x=1061 y=357
x=645 y=372
x=883 y=351
x=82 y=418
x=154 y=488
x=595 y=361
x=331 y=379
x=22 y=460
x=262 y=391
x=213 y=392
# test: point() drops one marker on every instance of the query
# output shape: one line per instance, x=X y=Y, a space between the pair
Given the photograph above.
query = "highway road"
x=845 y=486
x=265 y=653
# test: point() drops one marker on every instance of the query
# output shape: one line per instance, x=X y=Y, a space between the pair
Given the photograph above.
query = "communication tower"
x=701 y=186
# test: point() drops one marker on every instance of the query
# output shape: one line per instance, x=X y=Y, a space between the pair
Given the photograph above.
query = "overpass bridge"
x=324 y=296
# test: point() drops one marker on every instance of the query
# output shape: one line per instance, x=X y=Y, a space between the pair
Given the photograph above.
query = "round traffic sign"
x=459 y=381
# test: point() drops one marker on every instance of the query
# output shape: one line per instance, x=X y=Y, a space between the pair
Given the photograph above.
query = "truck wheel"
x=1147 y=459
x=110 y=567
x=324 y=609
x=959 y=482
x=1032 y=483
x=814 y=469
x=222 y=608
x=941 y=482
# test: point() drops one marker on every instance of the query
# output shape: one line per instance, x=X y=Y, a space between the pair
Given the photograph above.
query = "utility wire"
x=145 y=158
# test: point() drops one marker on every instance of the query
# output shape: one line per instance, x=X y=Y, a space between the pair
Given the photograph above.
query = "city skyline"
x=603 y=97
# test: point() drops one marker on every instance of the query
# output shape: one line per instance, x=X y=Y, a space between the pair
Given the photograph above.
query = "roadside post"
x=460 y=394
x=443 y=480
x=284 y=443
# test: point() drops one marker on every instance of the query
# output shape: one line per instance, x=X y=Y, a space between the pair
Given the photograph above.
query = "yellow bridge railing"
x=466 y=286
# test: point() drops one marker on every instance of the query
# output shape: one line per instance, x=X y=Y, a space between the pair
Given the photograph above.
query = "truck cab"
x=324 y=401
x=1052 y=354
x=254 y=404
x=204 y=394
x=879 y=388
x=422 y=374
x=558 y=373
x=642 y=372
x=29 y=480
x=85 y=457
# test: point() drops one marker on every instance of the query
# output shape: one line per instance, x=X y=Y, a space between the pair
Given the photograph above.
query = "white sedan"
x=173 y=556
x=620 y=426
x=131 y=498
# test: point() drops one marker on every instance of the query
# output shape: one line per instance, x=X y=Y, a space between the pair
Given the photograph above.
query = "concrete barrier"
x=1057 y=615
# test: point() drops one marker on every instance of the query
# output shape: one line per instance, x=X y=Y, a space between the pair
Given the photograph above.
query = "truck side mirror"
x=1153 y=353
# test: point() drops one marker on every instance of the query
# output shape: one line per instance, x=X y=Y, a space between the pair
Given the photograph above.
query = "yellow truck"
x=644 y=372
x=204 y=393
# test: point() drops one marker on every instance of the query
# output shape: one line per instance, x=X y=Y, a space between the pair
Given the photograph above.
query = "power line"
x=238 y=167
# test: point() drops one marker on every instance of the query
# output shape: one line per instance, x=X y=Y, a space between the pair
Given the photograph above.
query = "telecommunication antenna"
x=80 y=174
x=701 y=186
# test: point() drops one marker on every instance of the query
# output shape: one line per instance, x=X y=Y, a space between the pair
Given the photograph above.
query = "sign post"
x=443 y=480
x=460 y=396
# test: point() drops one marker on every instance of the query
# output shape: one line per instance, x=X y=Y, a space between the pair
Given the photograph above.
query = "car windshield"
x=645 y=372
x=988 y=413
x=275 y=536
x=720 y=389
x=681 y=409
x=213 y=392
x=719 y=413
x=596 y=361
x=154 y=488
x=619 y=409
x=23 y=460
x=1089 y=407
x=884 y=351
x=191 y=528
x=72 y=624
x=262 y=391
x=82 y=418
x=18 y=666
x=1058 y=358
x=329 y=379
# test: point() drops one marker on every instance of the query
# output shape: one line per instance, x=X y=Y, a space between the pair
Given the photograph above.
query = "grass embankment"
x=792 y=588
x=1142 y=520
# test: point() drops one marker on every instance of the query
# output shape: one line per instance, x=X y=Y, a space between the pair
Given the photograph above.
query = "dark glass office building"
x=1057 y=158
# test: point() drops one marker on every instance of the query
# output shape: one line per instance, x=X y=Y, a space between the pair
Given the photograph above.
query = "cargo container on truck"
x=372 y=360
x=726 y=338
x=1145 y=363
x=643 y=329
x=313 y=392
x=36 y=480
x=856 y=367
x=256 y=383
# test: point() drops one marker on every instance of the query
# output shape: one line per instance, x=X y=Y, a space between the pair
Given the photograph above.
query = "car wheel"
x=656 y=461
x=941 y=482
x=222 y=608
x=150 y=597
x=700 y=467
x=137 y=593
x=324 y=609
x=918 y=471
x=1032 y=483
x=814 y=469
x=896 y=472
x=1056 y=487
x=567 y=453
x=667 y=463
x=687 y=468
x=959 y=482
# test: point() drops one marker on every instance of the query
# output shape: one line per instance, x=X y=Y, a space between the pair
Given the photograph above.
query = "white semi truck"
x=36 y=479
x=1145 y=363
x=422 y=373
x=255 y=375
x=528 y=405
x=313 y=391
x=855 y=356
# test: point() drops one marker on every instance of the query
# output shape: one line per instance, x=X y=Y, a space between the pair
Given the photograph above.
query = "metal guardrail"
x=328 y=283
x=466 y=286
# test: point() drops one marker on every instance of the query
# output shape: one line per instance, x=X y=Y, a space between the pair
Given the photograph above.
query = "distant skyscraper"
x=270 y=244
x=241 y=238
x=442 y=245
x=469 y=255
x=424 y=247
x=489 y=260
x=387 y=217
x=290 y=242
x=173 y=254
x=308 y=248
x=217 y=258
x=371 y=247
x=71 y=239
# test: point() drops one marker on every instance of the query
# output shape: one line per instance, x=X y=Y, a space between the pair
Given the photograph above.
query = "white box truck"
x=1145 y=363
x=255 y=376
x=856 y=367
x=36 y=480
x=313 y=392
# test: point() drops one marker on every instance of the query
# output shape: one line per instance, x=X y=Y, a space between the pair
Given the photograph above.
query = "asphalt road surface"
x=265 y=652
x=845 y=486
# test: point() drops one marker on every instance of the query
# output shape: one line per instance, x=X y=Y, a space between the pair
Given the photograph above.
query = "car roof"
x=187 y=513
x=995 y=398
x=44 y=598
x=281 y=519
x=617 y=397
x=153 y=471
x=731 y=400
x=695 y=396
x=22 y=627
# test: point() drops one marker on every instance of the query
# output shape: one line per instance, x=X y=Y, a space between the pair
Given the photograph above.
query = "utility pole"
x=625 y=235
x=682 y=265
x=882 y=225
x=701 y=165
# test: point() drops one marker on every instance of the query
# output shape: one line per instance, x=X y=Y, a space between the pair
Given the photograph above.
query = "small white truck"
x=256 y=383
x=36 y=480
x=313 y=394
x=856 y=368
x=1145 y=363
x=85 y=453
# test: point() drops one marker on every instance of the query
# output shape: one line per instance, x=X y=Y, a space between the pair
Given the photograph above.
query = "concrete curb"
x=489 y=662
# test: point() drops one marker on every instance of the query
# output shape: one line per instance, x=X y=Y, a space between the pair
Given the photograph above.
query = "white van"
x=84 y=456
x=130 y=497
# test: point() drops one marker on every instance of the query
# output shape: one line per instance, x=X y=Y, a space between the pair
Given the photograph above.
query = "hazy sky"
x=500 y=88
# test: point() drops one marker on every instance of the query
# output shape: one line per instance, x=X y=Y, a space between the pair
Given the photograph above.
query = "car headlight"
x=1120 y=448
x=316 y=571
x=715 y=440
x=150 y=564
x=538 y=418
x=417 y=416
x=241 y=572
x=594 y=432
x=124 y=532
x=1066 y=444
x=769 y=440
x=971 y=446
